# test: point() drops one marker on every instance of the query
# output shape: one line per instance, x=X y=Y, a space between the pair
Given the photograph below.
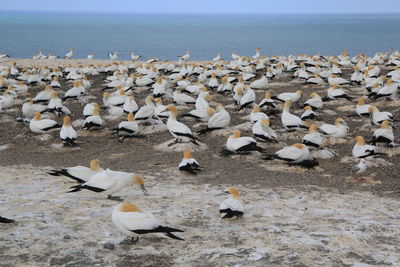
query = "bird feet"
x=129 y=241
x=115 y=198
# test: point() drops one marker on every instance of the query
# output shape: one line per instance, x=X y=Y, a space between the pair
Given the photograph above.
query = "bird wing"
x=135 y=221
x=101 y=180
x=327 y=129
x=231 y=203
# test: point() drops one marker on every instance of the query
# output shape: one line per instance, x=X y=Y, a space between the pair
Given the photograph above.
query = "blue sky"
x=208 y=6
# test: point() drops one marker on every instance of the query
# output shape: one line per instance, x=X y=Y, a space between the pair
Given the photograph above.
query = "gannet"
x=297 y=154
x=94 y=121
x=202 y=115
x=389 y=89
x=360 y=168
x=238 y=144
x=160 y=111
x=109 y=182
x=112 y=56
x=130 y=105
x=383 y=134
x=334 y=92
x=357 y=76
x=78 y=173
x=362 y=108
x=262 y=131
x=127 y=129
x=313 y=138
x=219 y=120
x=28 y=108
x=143 y=81
x=179 y=130
x=315 y=101
x=76 y=91
x=316 y=79
x=55 y=83
x=213 y=82
x=7 y=99
x=217 y=58
x=3 y=56
x=182 y=99
x=188 y=163
x=308 y=114
x=186 y=56
x=379 y=116
x=231 y=207
x=257 y=115
x=290 y=121
x=90 y=56
x=292 y=97
x=260 y=84
x=339 y=130
x=131 y=221
x=39 y=125
x=361 y=150
x=267 y=101
x=247 y=99
x=67 y=134
x=134 y=57
x=88 y=109
x=70 y=53
x=55 y=105
x=146 y=112
x=159 y=87
x=334 y=79
x=44 y=95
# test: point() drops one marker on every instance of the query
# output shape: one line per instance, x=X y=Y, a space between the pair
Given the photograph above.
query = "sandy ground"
x=293 y=216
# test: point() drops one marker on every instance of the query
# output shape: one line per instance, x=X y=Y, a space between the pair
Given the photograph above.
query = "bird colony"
x=277 y=111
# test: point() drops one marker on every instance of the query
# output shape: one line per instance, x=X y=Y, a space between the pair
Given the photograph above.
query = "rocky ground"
x=293 y=216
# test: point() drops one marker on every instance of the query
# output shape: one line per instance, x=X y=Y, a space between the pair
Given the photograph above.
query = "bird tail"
x=204 y=131
x=75 y=188
x=5 y=220
x=325 y=99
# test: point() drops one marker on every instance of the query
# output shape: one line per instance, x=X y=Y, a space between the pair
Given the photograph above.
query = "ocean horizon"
x=167 y=35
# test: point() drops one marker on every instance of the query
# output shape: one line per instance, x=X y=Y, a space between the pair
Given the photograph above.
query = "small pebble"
x=109 y=245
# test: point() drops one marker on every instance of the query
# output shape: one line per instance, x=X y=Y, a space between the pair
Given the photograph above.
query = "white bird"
x=39 y=125
x=67 y=134
x=182 y=99
x=146 y=112
x=362 y=150
x=334 y=79
x=257 y=115
x=70 y=53
x=132 y=222
x=109 y=182
x=360 y=168
x=297 y=154
x=238 y=144
x=127 y=129
x=220 y=120
x=308 y=114
x=292 y=97
x=339 y=130
x=217 y=58
x=231 y=207
x=290 y=121
x=188 y=163
x=384 y=134
x=315 y=101
x=313 y=138
x=179 y=130
x=44 y=95
x=113 y=56
x=261 y=130
x=379 y=116
x=28 y=108
x=78 y=173
x=130 y=105
x=56 y=105
x=186 y=56
x=90 y=56
x=334 y=92
x=247 y=99
x=94 y=121
x=88 y=109
x=362 y=109
x=267 y=101
x=134 y=57
x=260 y=84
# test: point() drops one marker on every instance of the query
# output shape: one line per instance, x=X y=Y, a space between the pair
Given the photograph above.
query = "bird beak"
x=221 y=193
x=144 y=190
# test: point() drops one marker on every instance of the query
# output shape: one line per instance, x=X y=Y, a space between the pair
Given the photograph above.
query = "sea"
x=166 y=36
